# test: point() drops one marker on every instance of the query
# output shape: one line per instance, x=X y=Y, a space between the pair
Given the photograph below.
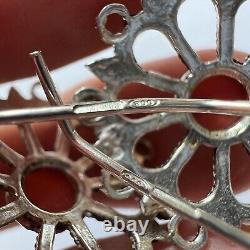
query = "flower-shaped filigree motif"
x=20 y=207
x=118 y=135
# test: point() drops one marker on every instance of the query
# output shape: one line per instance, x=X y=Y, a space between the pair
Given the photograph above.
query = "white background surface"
x=197 y=21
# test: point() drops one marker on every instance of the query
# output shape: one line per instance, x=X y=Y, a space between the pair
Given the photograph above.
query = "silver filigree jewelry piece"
x=156 y=189
x=47 y=224
x=138 y=182
x=122 y=69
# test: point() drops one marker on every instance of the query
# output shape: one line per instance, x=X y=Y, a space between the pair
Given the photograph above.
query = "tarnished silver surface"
x=48 y=224
x=118 y=135
x=139 y=183
x=20 y=208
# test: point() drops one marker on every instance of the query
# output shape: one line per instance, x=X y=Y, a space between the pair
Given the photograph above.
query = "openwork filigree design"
x=47 y=223
x=118 y=135
x=19 y=207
